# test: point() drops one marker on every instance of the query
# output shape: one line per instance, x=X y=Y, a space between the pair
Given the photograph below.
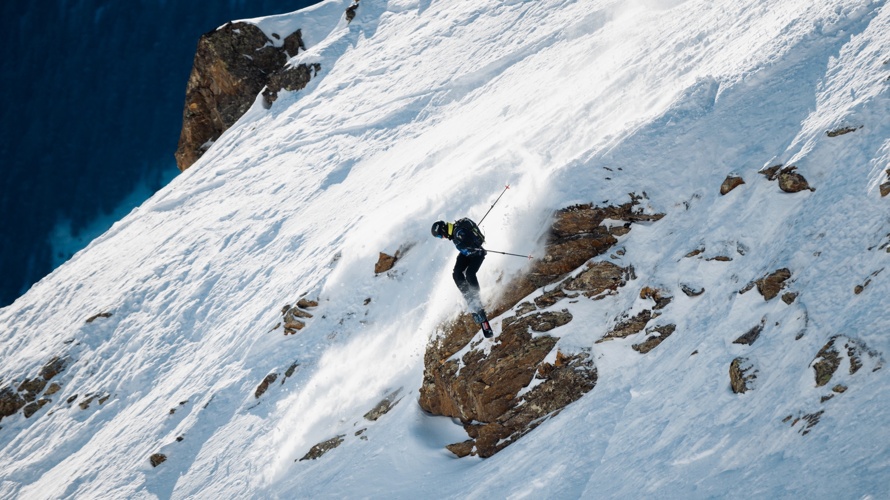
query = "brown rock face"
x=576 y=236
x=323 y=447
x=789 y=179
x=10 y=402
x=264 y=385
x=653 y=341
x=157 y=459
x=232 y=65
x=770 y=285
x=741 y=375
x=885 y=189
x=484 y=392
x=384 y=263
x=731 y=182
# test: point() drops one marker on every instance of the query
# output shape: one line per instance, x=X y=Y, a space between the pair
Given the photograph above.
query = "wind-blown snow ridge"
x=423 y=111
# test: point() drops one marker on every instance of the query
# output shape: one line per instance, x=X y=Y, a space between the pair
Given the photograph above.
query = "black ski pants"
x=464 y=275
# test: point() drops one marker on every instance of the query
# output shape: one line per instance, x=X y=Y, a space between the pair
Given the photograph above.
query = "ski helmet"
x=439 y=229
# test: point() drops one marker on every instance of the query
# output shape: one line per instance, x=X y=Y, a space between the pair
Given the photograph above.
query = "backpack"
x=474 y=237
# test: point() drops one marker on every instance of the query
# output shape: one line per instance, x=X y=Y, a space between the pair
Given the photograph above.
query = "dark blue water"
x=92 y=97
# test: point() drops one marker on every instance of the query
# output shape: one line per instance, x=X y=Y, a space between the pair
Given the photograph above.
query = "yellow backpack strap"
x=450 y=230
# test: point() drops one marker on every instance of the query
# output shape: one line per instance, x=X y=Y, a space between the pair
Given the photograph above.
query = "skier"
x=468 y=239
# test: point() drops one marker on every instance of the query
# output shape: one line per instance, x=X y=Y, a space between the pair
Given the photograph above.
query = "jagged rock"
x=52 y=389
x=463 y=449
x=661 y=298
x=547 y=299
x=385 y=262
x=350 y=11
x=599 y=277
x=789 y=297
x=772 y=172
x=885 y=189
x=810 y=420
x=157 y=459
x=570 y=378
x=232 y=65
x=664 y=331
x=691 y=291
x=53 y=367
x=307 y=304
x=841 y=131
x=741 y=375
x=323 y=447
x=97 y=316
x=791 y=181
x=751 y=335
x=383 y=407
x=264 y=385
x=628 y=327
x=697 y=251
x=31 y=388
x=31 y=408
x=292 y=323
x=828 y=359
x=291 y=79
x=10 y=402
x=86 y=402
x=576 y=235
x=524 y=308
x=487 y=385
x=720 y=258
x=770 y=285
x=290 y=370
x=731 y=182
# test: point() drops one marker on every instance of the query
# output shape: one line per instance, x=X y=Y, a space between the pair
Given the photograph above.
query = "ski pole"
x=506 y=187
x=507 y=253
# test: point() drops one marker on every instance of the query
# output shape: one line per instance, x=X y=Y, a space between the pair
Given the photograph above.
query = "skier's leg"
x=473 y=265
x=464 y=280
x=460 y=266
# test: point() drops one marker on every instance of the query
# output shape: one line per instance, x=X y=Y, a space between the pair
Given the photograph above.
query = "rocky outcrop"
x=577 y=234
x=841 y=131
x=232 y=65
x=790 y=181
x=838 y=347
x=157 y=459
x=383 y=407
x=98 y=315
x=295 y=316
x=26 y=393
x=770 y=285
x=661 y=334
x=628 y=326
x=731 y=182
x=751 y=336
x=323 y=447
x=264 y=385
x=10 y=402
x=741 y=375
x=504 y=389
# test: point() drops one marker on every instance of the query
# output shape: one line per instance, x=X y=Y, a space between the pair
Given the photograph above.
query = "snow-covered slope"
x=423 y=110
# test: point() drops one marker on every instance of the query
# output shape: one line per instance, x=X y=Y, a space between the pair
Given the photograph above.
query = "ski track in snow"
x=424 y=110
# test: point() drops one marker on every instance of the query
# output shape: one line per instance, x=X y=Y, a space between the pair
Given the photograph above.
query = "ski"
x=482 y=319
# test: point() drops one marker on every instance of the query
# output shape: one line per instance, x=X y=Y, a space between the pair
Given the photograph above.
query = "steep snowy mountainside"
x=423 y=111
